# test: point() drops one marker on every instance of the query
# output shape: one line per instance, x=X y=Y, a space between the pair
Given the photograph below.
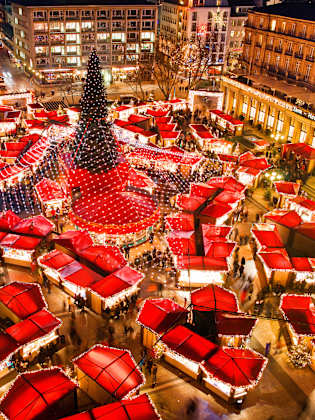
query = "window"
x=287 y=64
x=147 y=36
x=293 y=27
x=20 y=11
x=290 y=46
x=277 y=61
x=86 y=26
x=193 y=27
x=56 y=14
x=38 y=15
x=147 y=12
x=303 y=134
x=40 y=27
x=72 y=14
x=273 y=25
x=311 y=52
x=261 y=22
x=71 y=37
x=103 y=36
x=283 y=25
x=268 y=58
x=209 y=15
x=257 y=55
x=301 y=50
x=303 y=31
x=103 y=14
x=308 y=72
x=72 y=26
x=194 y=16
x=280 y=122
x=297 y=67
x=72 y=49
x=118 y=36
x=73 y=61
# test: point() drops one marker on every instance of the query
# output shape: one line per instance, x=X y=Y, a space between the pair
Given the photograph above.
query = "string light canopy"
x=97 y=171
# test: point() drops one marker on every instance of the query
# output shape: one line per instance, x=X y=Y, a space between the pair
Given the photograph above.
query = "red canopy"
x=304 y=202
x=202 y=190
x=216 y=211
x=287 y=218
x=27 y=243
x=182 y=242
x=8 y=220
x=56 y=259
x=307 y=229
x=75 y=240
x=299 y=311
x=160 y=314
x=113 y=369
x=116 y=282
x=108 y=258
x=181 y=221
x=139 y=408
x=37 y=225
x=276 y=260
x=34 y=393
x=188 y=202
x=302 y=264
x=36 y=326
x=23 y=299
x=236 y=367
x=287 y=188
x=214 y=232
x=227 y=183
x=219 y=249
x=302 y=149
x=49 y=190
x=7 y=346
x=158 y=113
x=79 y=274
x=234 y=324
x=228 y=197
x=188 y=344
x=256 y=163
x=214 y=298
x=268 y=238
x=186 y=262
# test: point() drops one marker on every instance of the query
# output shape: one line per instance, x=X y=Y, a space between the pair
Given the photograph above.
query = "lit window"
x=273 y=25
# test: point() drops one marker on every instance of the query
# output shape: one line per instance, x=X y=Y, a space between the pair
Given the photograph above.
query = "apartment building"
x=53 y=39
x=236 y=29
x=183 y=20
x=275 y=91
x=280 y=41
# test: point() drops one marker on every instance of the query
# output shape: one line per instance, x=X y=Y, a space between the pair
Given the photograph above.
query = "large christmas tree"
x=94 y=148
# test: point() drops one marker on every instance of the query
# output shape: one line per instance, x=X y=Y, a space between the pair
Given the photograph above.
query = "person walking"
x=154 y=374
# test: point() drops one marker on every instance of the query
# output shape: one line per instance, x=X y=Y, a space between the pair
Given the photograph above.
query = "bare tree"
x=187 y=60
x=137 y=78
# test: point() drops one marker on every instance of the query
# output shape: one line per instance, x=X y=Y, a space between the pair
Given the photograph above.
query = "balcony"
x=118 y=29
x=133 y=17
x=289 y=52
x=103 y=28
x=248 y=41
x=298 y=55
x=278 y=50
x=133 y=29
x=87 y=18
x=118 y=17
x=269 y=47
x=310 y=58
x=148 y=17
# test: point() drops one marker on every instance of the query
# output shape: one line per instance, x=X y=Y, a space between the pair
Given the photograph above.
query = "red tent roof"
x=268 y=238
x=8 y=220
x=116 y=282
x=35 y=326
x=182 y=242
x=186 y=262
x=202 y=190
x=219 y=249
x=187 y=343
x=181 y=221
x=188 y=202
x=228 y=197
x=36 y=225
x=214 y=232
x=302 y=149
x=302 y=264
x=74 y=240
x=56 y=259
x=304 y=202
x=256 y=163
x=234 y=324
x=113 y=369
x=49 y=190
x=299 y=311
x=228 y=158
x=227 y=182
x=287 y=218
x=169 y=134
x=160 y=314
x=307 y=229
x=108 y=258
x=7 y=346
x=158 y=113
x=79 y=274
x=27 y=243
x=216 y=210
x=33 y=394
x=135 y=118
x=23 y=299
x=214 y=298
x=288 y=188
x=236 y=367
x=139 y=408
x=139 y=179
x=276 y=260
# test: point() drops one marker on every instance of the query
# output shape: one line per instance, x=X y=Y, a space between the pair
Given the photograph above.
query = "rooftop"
x=54 y=3
x=295 y=10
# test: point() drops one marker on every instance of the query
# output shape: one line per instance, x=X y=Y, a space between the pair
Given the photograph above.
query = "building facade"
x=53 y=40
x=276 y=90
x=183 y=20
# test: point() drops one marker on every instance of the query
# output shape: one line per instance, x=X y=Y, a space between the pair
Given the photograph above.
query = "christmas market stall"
x=300 y=152
x=285 y=221
x=157 y=316
x=51 y=196
x=231 y=372
x=273 y=266
x=304 y=207
x=49 y=394
x=20 y=300
x=138 y=408
x=107 y=373
x=185 y=350
x=19 y=250
x=73 y=114
x=285 y=190
x=226 y=122
x=299 y=311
